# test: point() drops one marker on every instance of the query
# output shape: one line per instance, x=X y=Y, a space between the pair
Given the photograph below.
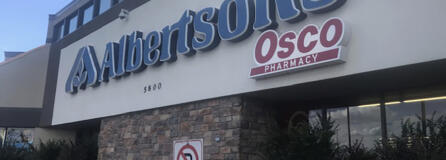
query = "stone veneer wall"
x=149 y=135
x=258 y=120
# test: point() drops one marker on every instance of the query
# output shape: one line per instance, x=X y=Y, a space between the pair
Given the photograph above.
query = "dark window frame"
x=99 y=6
x=57 y=30
x=68 y=21
x=80 y=17
x=96 y=8
x=82 y=12
x=115 y=2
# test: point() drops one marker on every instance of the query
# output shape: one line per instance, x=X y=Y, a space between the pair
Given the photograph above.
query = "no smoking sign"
x=188 y=149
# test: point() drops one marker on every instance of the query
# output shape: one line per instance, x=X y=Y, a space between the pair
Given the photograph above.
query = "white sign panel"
x=188 y=149
x=384 y=34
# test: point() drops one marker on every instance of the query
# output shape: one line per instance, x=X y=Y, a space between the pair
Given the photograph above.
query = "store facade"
x=23 y=79
x=149 y=75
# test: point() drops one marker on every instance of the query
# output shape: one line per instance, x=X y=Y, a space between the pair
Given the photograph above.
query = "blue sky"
x=24 y=23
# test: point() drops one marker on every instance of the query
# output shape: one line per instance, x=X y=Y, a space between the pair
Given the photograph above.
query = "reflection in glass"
x=437 y=107
x=20 y=137
x=2 y=136
x=339 y=116
x=60 y=31
x=312 y=116
x=365 y=125
x=72 y=24
x=365 y=122
x=398 y=113
x=88 y=14
x=104 y=5
x=117 y=1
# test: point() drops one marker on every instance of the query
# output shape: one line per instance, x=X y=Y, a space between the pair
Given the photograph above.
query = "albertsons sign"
x=202 y=31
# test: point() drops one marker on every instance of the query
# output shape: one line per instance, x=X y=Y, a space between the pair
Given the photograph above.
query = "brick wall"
x=232 y=129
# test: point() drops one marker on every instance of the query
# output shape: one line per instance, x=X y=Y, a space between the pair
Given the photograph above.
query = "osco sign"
x=202 y=31
x=312 y=47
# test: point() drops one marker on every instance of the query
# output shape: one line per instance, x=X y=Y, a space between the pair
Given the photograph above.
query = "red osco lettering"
x=288 y=44
x=339 y=28
x=272 y=37
x=301 y=40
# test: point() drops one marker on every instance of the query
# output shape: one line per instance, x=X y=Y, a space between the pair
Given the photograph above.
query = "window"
x=2 y=136
x=60 y=29
x=72 y=24
x=339 y=116
x=116 y=1
x=400 y=113
x=437 y=107
x=87 y=14
x=313 y=116
x=104 y=5
x=365 y=125
x=20 y=137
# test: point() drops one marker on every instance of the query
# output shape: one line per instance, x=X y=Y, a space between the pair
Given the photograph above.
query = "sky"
x=24 y=23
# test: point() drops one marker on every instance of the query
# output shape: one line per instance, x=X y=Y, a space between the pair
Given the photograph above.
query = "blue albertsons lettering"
x=134 y=53
x=152 y=53
x=205 y=25
x=201 y=31
x=84 y=72
x=266 y=13
x=108 y=64
x=235 y=19
x=123 y=45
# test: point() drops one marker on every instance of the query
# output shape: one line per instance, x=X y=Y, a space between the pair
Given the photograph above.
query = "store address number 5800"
x=152 y=87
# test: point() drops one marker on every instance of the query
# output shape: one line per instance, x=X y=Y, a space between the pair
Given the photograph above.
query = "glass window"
x=60 y=31
x=20 y=137
x=88 y=14
x=104 y=5
x=72 y=24
x=313 y=116
x=2 y=136
x=399 y=113
x=365 y=125
x=339 y=116
x=116 y=1
x=438 y=107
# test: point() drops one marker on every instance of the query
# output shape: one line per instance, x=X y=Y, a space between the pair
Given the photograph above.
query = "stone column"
x=231 y=129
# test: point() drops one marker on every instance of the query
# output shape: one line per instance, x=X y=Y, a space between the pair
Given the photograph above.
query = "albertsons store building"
x=202 y=79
